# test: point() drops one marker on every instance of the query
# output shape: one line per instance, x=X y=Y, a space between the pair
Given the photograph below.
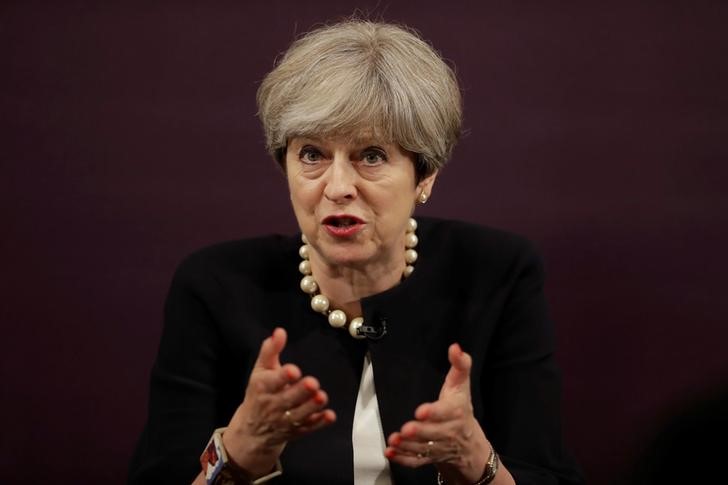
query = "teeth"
x=342 y=221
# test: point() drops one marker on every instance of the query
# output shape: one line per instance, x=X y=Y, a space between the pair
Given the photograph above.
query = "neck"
x=345 y=286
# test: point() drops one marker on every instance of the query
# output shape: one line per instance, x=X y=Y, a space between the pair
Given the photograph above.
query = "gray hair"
x=359 y=77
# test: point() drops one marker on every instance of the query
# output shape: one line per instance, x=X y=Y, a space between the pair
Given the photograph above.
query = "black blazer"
x=476 y=286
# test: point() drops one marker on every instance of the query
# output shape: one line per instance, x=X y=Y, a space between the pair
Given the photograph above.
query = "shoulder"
x=473 y=244
x=475 y=259
x=255 y=259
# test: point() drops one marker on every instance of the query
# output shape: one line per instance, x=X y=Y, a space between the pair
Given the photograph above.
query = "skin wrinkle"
x=382 y=195
x=341 y=89
x=340 y=80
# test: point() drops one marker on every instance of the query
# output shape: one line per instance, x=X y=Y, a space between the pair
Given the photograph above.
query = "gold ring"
x=430 y=444
x=293 y=423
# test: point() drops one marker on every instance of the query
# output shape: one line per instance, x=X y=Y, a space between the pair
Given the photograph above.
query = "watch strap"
x=491 y=470
x=218 y=469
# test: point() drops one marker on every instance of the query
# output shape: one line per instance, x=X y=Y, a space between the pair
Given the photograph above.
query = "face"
x=352 y=199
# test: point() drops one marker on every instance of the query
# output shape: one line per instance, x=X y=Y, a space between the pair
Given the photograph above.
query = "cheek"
x=405 y=201
x=391 y=202
x=304 y=199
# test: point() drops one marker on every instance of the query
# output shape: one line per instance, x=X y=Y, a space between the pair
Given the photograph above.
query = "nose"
x=341 y=181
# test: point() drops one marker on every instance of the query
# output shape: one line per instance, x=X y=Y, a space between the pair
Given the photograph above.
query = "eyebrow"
x=358 y=142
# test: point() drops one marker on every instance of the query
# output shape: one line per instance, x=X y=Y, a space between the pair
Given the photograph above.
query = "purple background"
x=129 y=138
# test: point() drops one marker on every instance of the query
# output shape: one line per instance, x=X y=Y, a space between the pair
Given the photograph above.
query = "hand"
x=279 y=405
x=445 y=432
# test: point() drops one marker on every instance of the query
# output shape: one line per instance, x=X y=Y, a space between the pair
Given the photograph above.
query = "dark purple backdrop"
x=129 y=139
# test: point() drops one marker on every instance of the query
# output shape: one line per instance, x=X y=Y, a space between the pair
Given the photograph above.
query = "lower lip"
x=344 y=231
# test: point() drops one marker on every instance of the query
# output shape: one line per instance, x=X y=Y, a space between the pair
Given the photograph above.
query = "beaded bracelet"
x=491 y=469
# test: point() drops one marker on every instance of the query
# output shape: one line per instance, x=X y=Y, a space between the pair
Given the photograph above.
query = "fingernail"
x=389 y=453
x=289 y=374
x=395 y=441
x=310 y=387
x=319 y=398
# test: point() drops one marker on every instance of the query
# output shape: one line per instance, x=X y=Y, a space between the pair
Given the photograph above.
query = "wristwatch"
x=491 y=469
x=218 y=469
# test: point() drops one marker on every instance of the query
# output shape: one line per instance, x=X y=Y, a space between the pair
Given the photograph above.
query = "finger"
x=431 y=450
x=273 y=381
x=286 y=427
x=394 y=439
x=423 y=411
x=308 y=411
x=443 y=410
x=321 y=420
x=460 y=362
x=420 y=443
x=297 y=392
x=423 y=431
x=411 y=461
x=328 y=416
x=290 y=373
x=270 y=350
x=315 y=422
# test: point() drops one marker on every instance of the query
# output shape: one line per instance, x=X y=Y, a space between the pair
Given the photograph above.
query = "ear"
x=424 y=187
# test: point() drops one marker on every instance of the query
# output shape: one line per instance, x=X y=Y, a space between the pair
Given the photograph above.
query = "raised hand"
x=279 y=405
x=445 y=432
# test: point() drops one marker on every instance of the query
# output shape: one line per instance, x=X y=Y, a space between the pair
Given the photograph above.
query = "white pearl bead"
x=337 y=319
x=308 y=284
x=303 y=251
x=354 y=326
x=411 y=225
x=320 y=303
x=304 y=266
x=410 y=240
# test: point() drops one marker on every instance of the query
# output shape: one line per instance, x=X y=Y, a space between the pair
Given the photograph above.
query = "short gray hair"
x=359 y=76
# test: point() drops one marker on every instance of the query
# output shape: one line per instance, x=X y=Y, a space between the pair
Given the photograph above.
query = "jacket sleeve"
x=183 y=400
x=520 y=384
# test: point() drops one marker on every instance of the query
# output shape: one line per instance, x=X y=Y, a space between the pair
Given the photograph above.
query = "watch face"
x=211 y=459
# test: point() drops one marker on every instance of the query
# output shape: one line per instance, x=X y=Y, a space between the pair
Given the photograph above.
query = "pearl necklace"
x=320 y=303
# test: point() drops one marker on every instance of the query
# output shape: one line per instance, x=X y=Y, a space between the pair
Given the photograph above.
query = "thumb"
x=458 y=377
x=270 y=350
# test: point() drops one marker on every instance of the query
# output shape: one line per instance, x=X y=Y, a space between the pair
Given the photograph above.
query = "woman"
x=376 y=387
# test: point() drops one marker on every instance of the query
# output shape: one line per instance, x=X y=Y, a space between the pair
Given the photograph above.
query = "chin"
x=345 y=256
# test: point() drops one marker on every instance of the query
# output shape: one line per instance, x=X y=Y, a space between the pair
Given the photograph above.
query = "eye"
x=310 y=155
x=373 y=156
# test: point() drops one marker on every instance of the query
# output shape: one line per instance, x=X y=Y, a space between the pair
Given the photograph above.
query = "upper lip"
x=337 y=217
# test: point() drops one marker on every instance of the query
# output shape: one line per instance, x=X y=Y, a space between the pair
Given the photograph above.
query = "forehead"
x=351 y=134
x=355 y=139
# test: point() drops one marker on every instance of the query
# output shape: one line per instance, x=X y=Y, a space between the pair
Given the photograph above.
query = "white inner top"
x=367 y=437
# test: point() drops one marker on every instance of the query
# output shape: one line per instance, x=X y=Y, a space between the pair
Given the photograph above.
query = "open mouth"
x=343 y=221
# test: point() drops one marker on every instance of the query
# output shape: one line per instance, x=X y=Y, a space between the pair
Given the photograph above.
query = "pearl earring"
x=422 y=199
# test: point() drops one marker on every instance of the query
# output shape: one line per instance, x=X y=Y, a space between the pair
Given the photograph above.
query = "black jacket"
x=476 y=286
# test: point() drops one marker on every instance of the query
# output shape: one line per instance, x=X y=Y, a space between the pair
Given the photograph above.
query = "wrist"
x=254 y=459
x=471 y=462
x=218 y=468
x=450 y=474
